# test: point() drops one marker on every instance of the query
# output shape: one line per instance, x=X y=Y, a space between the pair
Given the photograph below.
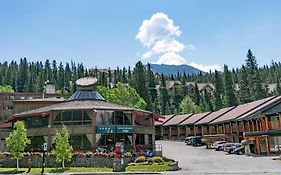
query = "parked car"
x=229 y=147
x=188 y=140
x=196 y=141
x=158 y=137
x=239 y=150
x=218 y=145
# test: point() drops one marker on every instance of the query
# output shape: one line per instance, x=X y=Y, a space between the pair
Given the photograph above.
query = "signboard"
x=114 y=129
x=45 y=147
x=122 y=148
x=105 y=129
x=124 y=129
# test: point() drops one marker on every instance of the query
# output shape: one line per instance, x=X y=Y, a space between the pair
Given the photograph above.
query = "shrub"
x=140 y=159
x=89 y=154
x=128 y=154
x=157 y=159
x=150 y=160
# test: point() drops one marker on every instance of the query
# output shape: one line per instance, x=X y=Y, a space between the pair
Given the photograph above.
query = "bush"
x=150 y=160
x=128 y=154
x=89 y=154
x=157 y=159
x=140 y=159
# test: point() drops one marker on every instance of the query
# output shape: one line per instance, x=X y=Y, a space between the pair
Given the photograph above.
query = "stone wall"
x=7 y=162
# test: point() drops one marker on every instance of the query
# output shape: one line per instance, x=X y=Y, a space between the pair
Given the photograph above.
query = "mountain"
x=174 y=69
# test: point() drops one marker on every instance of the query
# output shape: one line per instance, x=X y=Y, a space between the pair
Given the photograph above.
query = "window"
x=77 y=117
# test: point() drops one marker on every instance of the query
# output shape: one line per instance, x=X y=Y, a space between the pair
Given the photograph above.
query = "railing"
x=227 y=130
x=273 y=125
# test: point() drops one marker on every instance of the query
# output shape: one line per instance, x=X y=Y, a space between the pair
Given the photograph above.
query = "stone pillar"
x=202 y=130
x=194 y=131
x=94 y=140
x=186 y=132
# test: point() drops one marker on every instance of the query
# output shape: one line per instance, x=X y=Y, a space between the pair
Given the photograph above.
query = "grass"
x=148 y=168
x=54 y=170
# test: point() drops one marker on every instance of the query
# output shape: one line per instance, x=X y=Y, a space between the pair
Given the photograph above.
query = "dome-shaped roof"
x=86 y=95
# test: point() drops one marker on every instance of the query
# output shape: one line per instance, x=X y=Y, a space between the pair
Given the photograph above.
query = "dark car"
x=240 y=150
x=158 y=137
x=196 y=141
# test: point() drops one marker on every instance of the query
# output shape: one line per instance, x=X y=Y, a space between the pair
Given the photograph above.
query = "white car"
x=218 y=145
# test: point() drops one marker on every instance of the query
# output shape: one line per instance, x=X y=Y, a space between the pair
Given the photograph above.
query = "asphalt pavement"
x=198 y=160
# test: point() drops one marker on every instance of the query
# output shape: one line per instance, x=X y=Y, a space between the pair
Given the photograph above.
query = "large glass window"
x=77 y=117
x=36 y=122
x=108 y=140
x=113 y=118
x=81 y=141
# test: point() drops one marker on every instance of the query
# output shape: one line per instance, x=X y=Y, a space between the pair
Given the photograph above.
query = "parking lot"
x=198 y=160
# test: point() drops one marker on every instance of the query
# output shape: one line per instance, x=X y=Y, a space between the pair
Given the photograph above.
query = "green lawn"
x=148 y=168
x=54 y=170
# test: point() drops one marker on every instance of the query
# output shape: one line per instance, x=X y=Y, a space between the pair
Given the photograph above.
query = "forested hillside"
x=163 y=94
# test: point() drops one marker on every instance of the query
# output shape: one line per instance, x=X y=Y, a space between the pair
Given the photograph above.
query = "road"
x=198 y=160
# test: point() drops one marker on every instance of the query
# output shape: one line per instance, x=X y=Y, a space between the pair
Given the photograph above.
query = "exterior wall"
x=6 y=105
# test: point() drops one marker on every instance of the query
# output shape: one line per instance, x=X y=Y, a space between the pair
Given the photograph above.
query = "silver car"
x=230 y=147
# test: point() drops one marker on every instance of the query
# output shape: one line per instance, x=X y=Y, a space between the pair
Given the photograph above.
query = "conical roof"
x=86 y=90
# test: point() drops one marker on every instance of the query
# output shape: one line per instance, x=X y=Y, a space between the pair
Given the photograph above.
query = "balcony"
x=274 y=125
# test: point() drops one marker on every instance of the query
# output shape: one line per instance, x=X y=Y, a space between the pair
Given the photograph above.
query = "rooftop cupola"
x=86 y=90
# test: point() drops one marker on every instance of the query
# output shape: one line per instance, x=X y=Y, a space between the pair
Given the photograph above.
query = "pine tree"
x=229 y=91
x=257 y=90
x=163 y=96
x=244 y=89
x=218 y=94
x=140 y=83
x=196 y=95
x=151 y=85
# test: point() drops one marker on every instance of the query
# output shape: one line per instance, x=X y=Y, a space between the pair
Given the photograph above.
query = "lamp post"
x=45 y=148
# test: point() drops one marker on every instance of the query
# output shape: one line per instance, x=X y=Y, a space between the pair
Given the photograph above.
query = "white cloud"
x=206 y=68
x=171 y=58
x=190 y=47
x=158 y=27
x=164 y=46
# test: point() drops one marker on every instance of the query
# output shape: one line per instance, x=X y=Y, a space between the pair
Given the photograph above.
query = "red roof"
x=213 y=116
x=177 y=119
x=166 y=119
x=261 y=108
x=195 y=118
x=241 y=110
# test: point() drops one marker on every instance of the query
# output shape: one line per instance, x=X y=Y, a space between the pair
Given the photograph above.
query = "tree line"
x=232 y=87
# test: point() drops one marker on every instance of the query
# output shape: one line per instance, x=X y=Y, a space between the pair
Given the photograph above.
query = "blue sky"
x=103 y=33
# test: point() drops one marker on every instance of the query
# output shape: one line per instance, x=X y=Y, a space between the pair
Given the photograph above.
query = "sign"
x=122 y=148
x=121 y=129
x=45 y=147
x=105 y=129
x=124 y=129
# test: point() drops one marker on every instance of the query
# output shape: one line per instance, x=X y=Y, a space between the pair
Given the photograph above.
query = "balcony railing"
x=273 y=125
